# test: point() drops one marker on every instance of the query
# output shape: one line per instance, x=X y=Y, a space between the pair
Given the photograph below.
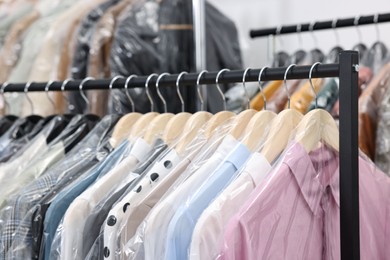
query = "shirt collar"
x=233 y=151
x=257 y=167
x=140 y=149
x=313 y=172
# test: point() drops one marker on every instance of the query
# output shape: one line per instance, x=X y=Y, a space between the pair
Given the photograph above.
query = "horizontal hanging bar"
x=348 y=22
x=298 y=72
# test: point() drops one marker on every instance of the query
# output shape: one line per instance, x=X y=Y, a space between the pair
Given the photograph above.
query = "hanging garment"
x=6 y=123
x=327 y=97
x=44 y=227
x=71 y=243
x=208 y=231
x=296 y=209
x=17 y=216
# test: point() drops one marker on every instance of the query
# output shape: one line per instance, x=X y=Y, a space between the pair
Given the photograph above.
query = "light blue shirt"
x=182 y=225
x=62 y=201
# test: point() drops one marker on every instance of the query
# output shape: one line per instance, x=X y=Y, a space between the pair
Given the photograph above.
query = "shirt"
x=62 y=201
x=79 y=209
x=181 y=226
x=200 y=150
x=294 y=213
x=208 y=231
x=159 y=217
x=17 y=215
x=93 y=239
x=116 y=232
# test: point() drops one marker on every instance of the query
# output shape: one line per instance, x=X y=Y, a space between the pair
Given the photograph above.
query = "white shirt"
x=159 y=218
x=118 y=231
x=78 y=211
x=208 y=232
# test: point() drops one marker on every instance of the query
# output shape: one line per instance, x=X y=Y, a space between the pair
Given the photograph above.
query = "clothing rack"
x=339 y=23
x=346 y=70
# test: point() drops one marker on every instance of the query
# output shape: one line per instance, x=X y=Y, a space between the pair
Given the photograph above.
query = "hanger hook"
x=198 y=89
x=299 y=30
x=28 y=84
x=285 y=84
x=245 y=90
x=110 y=87
x=3 y=86
x=81 y=90
x=279 y=36
x=334 y=27
x=376 y=20
x=219 y=88
x=356 y=23
x=261 y=86
x=158 y=90
x=178 y=89
x=311 y=29
x=70 y=107
x=127 y=91
x=147 y=90
x=47 y=93
x=311 y=81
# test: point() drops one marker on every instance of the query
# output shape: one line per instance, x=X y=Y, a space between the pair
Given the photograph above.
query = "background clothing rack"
x=347 y=22
x=346 y=70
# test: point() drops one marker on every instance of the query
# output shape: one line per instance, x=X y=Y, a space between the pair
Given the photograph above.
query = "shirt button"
x=154 y=176
x=125 y=207
x=111 y=220
x=106 y=252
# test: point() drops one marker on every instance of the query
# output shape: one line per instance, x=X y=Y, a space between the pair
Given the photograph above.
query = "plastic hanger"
x=317 y=126
x=259 y=123
x=221 y=117
x=175 y=126
x=156 y=127
x=123 y=128
x=281 y=128
x=241 y=120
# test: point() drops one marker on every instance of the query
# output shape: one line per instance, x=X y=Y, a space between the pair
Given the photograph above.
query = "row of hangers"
x=365 y=52
x=249 y=126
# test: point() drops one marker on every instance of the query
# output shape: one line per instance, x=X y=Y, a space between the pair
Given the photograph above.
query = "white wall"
x=249 y=14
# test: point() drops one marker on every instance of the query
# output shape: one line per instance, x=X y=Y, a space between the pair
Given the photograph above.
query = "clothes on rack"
x=184 y=186
x=104 y=38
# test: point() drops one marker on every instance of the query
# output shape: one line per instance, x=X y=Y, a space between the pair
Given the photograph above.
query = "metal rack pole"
x=348 y=22
x=234 y=76
x=349 y=156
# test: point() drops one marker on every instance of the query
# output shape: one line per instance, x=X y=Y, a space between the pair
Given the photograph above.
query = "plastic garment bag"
x=297 y=208
x=16 y=241
x=144 y=45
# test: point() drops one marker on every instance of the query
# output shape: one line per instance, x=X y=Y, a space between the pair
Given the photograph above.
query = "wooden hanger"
x=217 y=120
x=242 y=120
x=156 y=127
x=191 y=129
x=256 y=128
x=281 y=128
x=139 y=128
x=317 y=126
x=175 y=127
x=259 y=123
x=124 y=126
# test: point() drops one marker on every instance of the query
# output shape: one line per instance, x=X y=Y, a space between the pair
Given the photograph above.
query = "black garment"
x=21 y=132
x=94 y=148
x=142 y=48
x=93 y=242
x=6 y=122
x=80 y=58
